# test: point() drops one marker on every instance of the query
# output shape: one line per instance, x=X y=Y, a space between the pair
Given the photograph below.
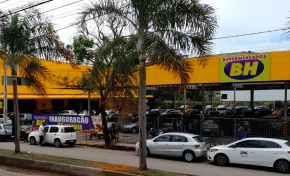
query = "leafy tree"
x=112 y=74
x=24 y=38
x=159 y=26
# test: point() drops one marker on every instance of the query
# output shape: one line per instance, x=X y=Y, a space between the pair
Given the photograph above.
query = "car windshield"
x=288 y=144
x=277 y=112
x=68 y=130
x=197 y=139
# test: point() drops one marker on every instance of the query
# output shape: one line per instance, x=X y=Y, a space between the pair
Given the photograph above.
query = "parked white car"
x=266 y=152
x=2 y=119
x=68 y=112
x=185 y=145
x=55 y=134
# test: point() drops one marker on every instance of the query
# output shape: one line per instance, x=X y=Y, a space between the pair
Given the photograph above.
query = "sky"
x=235 y=17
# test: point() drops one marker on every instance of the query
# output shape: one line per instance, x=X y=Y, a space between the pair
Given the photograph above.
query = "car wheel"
x=134 y=130
x=188 y=156
x=71 y=144
x=147 y=152
x=1 y=138
x=221 y=160
x=282 y=166
x=57 y=143
x=32 y=141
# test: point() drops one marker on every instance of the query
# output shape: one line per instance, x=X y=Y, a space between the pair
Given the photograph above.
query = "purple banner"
x=79 y=122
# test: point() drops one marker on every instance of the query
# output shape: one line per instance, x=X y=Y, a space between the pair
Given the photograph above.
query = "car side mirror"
x=154 y=140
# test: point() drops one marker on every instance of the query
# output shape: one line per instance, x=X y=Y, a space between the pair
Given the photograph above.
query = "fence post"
x=200 y=117
x=235 y=128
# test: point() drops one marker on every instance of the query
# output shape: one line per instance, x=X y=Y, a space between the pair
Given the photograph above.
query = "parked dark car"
x=133 y=125
x=212 y=127
x=230 y=110
x=240 y=110
x=192 y=111
x=262 y=110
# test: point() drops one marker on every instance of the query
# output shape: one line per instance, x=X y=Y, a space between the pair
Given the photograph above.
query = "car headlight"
x=213 y=150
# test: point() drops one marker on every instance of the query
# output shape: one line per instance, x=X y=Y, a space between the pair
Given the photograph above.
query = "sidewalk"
x=100 y=143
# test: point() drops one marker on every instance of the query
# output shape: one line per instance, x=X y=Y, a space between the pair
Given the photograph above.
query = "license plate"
x=72 y=141
x=207 y=130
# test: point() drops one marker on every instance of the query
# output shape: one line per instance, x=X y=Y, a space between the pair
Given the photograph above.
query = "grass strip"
x=87 y=163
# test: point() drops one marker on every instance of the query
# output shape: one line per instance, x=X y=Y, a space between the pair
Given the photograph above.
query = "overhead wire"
x=254 y=33
x=11 y=4
x=29 y=7
x=3 y=1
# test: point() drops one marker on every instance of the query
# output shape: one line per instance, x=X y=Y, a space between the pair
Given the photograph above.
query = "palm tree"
x=187 y=25
x=24 y=38
x=112 y=74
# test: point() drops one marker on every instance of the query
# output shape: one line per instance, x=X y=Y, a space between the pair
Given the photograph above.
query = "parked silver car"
x=185 y=145
x=5 y=132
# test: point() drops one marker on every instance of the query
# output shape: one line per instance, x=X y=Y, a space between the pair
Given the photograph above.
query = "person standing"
x=113 y=132
x=41 y=133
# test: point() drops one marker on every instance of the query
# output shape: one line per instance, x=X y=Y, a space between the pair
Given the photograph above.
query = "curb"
x=56 y=167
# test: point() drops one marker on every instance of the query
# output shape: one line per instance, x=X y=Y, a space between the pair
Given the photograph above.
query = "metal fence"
x=225 y=129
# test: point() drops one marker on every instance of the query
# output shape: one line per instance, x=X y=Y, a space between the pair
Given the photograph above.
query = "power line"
x=255 y=33
x=62 y=6
x=3 y=1
x=10 y=4
x=29 y=7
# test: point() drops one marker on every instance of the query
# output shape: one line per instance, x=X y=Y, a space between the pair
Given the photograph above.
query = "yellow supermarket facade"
x=251 y=67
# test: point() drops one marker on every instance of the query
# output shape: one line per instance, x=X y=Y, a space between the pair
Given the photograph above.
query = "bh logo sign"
x=244 y=69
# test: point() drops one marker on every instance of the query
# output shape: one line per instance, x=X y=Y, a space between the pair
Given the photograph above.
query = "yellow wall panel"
x=208 y=73
x=280 y=66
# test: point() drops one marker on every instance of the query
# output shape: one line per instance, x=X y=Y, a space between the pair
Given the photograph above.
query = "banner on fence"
x=79 y=122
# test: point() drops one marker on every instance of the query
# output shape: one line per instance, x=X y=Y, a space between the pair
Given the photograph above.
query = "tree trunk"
x=142 y=105
x=89 y=103
x=16 y=112
x=104 y=123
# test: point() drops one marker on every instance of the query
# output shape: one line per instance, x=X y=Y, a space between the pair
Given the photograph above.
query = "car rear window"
x=68 y=130
x=197 y=139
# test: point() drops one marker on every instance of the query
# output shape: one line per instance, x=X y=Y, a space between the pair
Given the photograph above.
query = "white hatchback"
x=188 y=146
x=266 y=152
x=55 y=134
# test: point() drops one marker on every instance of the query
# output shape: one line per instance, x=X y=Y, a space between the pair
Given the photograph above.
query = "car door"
x=267 y=152
x=50 y=135
x=160 y=145
x=244 y=152
x=177 y=145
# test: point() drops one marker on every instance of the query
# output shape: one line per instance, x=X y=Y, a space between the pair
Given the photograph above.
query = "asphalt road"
x=201 y=167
